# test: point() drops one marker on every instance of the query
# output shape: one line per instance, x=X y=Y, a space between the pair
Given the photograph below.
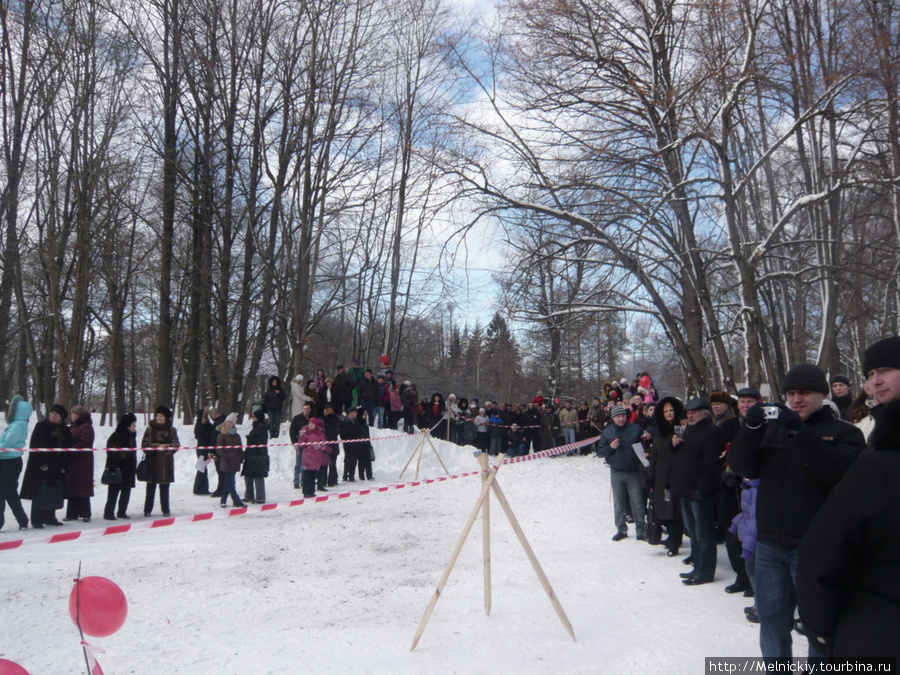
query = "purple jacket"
x=744 y=523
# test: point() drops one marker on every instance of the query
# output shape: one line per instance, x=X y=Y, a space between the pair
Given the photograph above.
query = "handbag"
x=112 y=476
x=142 y=473
x=49 y=497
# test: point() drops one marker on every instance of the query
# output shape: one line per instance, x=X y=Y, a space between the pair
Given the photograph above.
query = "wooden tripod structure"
x=420 y=447
x=489 y=482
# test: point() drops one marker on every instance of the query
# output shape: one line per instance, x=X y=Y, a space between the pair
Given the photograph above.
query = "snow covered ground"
x=340 y=586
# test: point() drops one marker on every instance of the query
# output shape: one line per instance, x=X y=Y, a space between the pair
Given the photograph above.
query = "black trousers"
x=364 y=460
x=114 y=494
x=9 y=490
x=150 y=497
x=351 y=453
x=78 y=507
x=308 y=482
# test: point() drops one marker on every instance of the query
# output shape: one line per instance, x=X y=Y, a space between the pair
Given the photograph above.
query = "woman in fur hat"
x=231 y=454
x=43 y=482
x=80 y=466
x=162 y=438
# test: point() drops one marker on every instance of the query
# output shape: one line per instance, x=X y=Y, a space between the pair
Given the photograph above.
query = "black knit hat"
x=60 y=408
x=843 y=379
x=260 y=414
x=883 y=354
x=806 y=377
x=164 y=411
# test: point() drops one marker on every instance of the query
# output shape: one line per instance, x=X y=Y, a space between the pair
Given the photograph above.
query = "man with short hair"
x=615 y=445
x=368 y=394
x=695 y=483
x=841 y=395
x=799 y=457
x=568 y=419
x=343 y=389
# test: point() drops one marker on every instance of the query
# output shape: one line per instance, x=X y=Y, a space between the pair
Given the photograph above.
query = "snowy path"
x=340 y=586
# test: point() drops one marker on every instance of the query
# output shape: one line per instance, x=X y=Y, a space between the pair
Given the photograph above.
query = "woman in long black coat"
x=255 y=468
x=205 y=434
x=669 y=413
x=44 y=479
x=125 y=436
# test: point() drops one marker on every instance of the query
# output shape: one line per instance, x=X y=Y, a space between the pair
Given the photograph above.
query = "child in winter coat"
x=744 y=527
x=315 y=456
x=231 y=455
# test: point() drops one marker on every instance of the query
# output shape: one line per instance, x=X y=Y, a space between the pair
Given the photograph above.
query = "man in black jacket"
x=343 y=389
x=881 y=366
x=799 y=457
x=695 y=483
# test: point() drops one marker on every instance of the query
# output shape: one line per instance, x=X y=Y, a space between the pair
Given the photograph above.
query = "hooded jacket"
x=16 y=434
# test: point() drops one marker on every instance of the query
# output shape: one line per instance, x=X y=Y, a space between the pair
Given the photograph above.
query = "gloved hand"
x=756 y=416
x=790 y=420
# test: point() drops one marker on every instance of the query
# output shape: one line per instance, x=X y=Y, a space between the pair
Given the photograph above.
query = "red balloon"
x=645 y=381
x=10 y=668
x=556 y=401
x=103 y=606
x=384 y=359
x=613 y=394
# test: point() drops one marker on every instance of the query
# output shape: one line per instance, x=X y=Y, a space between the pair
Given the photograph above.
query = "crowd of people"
x=802 y=494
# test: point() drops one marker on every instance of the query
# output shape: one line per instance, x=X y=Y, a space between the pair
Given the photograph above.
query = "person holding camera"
x=799 y=453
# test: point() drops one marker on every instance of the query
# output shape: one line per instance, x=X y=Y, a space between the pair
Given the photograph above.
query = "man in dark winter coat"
x=45 y=471
x=369 y=394
x=343 y=389
x=841 y=395
x=274 y=399
x=848 y=568
x=881 y=367
x=615 y=445
x=799 y=457
x=352 y=427
x=695 y=483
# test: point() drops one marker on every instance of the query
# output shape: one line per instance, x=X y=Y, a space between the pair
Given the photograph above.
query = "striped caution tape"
x=259 y=508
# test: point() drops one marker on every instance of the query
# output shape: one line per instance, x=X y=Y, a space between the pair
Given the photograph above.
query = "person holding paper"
x=615 y=445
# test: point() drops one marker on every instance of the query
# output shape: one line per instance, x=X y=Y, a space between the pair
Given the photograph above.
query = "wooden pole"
x=533 y=558
x=418 y=449
x=486 y=536
x=437 y=454
x=485 y=489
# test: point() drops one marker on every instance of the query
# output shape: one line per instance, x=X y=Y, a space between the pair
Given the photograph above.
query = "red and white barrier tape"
x=258 y=508
x=214 y=447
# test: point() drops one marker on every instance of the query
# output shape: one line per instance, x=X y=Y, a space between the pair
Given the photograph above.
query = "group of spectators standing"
x=803 y=494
